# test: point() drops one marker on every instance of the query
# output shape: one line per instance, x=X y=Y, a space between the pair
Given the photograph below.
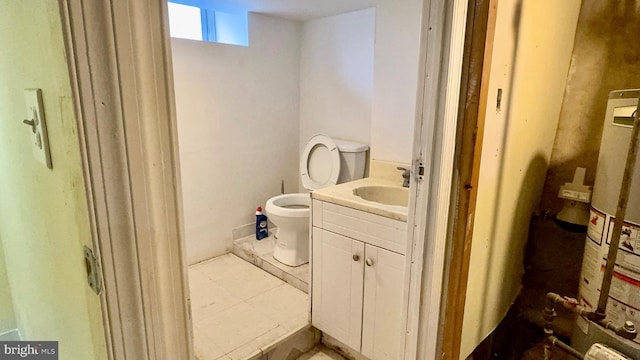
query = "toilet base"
x=292 y=247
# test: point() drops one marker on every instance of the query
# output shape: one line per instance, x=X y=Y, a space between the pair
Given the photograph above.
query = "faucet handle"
x=406 y=174
x=405 y=171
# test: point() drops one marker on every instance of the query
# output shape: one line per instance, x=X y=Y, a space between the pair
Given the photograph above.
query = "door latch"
x=419 y=170
x=93 y=271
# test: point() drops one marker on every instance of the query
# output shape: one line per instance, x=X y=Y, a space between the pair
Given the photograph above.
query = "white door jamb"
x=440 y=72
x=121 y=76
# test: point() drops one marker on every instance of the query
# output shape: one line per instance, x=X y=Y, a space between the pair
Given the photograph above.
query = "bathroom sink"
x=387 y=195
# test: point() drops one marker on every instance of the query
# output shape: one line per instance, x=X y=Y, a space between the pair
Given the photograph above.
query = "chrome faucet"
x=406 y=174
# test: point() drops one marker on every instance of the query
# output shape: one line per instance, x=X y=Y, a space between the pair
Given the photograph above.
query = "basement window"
x=189 y=19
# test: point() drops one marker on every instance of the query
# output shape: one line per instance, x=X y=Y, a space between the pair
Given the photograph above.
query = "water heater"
x=624 y=298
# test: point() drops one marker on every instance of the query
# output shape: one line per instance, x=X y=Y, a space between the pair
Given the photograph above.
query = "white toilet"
x=324 y=162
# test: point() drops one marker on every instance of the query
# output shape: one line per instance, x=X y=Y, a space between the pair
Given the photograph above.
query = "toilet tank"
x=353 y=156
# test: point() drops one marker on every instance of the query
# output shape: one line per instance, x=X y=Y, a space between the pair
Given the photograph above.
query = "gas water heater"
x=624 y=298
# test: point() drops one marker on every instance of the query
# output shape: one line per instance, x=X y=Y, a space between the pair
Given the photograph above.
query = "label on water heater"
x=624 y=296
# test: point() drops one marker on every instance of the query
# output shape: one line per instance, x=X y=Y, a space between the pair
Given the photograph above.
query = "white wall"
x=336 y=77
x=238 y=129
x=531 y=55
x=44 y=223
x=397 y=49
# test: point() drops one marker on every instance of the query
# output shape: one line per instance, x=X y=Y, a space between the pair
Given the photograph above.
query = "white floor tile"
x=248 y=283
x=321 y=353
x=256 y=345
x=222 y=266
x=204 y=347
x=236 y=326
x=246 y=351
x=282 y=303
x=296 y=322
x=260 y=253
x=210 y=299
x=257 y=247
x=267 y=340
x=240 y=309
x=197 y=279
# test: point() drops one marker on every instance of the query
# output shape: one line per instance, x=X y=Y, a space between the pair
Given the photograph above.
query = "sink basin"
x=387 y=195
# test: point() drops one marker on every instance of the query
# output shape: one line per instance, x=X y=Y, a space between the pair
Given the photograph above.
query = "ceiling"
x=299 y=10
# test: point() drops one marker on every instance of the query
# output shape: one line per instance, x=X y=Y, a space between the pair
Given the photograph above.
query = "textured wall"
x=395 y=79
x=606 y=57
x=336 y=77
x=44 y=222
x=238 y=110
x=530 y=60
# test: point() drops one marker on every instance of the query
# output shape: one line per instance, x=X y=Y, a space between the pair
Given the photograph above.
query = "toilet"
x=324 y=162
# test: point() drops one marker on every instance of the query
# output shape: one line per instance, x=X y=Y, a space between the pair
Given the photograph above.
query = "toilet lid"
x=320 y=163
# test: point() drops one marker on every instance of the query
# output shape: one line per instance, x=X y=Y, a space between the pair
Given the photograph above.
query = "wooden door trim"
x=477 y=68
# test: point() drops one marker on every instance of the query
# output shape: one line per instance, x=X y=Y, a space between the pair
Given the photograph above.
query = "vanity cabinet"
x=357 y=281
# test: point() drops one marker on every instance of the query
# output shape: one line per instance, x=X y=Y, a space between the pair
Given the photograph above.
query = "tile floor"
x=239 y=309
x=321 y=353
x=260 y=253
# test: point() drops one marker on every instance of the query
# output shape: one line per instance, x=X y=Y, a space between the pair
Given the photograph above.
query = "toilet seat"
x=294 y=205
x=320 y=163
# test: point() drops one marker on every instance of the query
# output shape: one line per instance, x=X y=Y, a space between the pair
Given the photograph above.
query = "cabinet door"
x=337 y=285
x=382 y=313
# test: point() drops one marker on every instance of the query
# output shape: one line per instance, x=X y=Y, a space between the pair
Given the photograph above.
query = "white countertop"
x=342 y=194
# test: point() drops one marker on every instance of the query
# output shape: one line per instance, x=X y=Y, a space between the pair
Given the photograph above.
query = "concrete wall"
x=606 y=57
x=44 y=222
x=336 y=77
x=7 y=318
x=238 y=129
x=397 y=46
x=530 y=61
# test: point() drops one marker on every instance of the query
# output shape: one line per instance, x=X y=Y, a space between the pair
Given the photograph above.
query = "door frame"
x=481 y=22
x=121 y=73
x=431 y=214
x=121 y=81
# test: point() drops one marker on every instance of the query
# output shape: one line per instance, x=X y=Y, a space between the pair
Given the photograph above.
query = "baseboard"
x=11 y=335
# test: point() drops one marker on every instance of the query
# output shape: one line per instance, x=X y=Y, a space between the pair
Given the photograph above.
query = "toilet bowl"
x=290 y=213
x=324 y=162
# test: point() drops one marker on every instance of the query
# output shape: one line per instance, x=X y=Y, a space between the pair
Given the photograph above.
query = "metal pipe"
x=566 y=348
x=570 y=304
x=549 y=314
x=621 y=211
x=627 y=330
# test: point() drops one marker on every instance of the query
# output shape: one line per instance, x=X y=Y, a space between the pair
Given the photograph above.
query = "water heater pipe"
x=549 y=314
x=621 y=211
x=627 y=330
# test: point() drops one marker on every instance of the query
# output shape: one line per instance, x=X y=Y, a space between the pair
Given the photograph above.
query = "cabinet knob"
x=369 y=262
x=356 y=257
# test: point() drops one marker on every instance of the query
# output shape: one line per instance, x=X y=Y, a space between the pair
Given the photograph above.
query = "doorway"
x=134 y=165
